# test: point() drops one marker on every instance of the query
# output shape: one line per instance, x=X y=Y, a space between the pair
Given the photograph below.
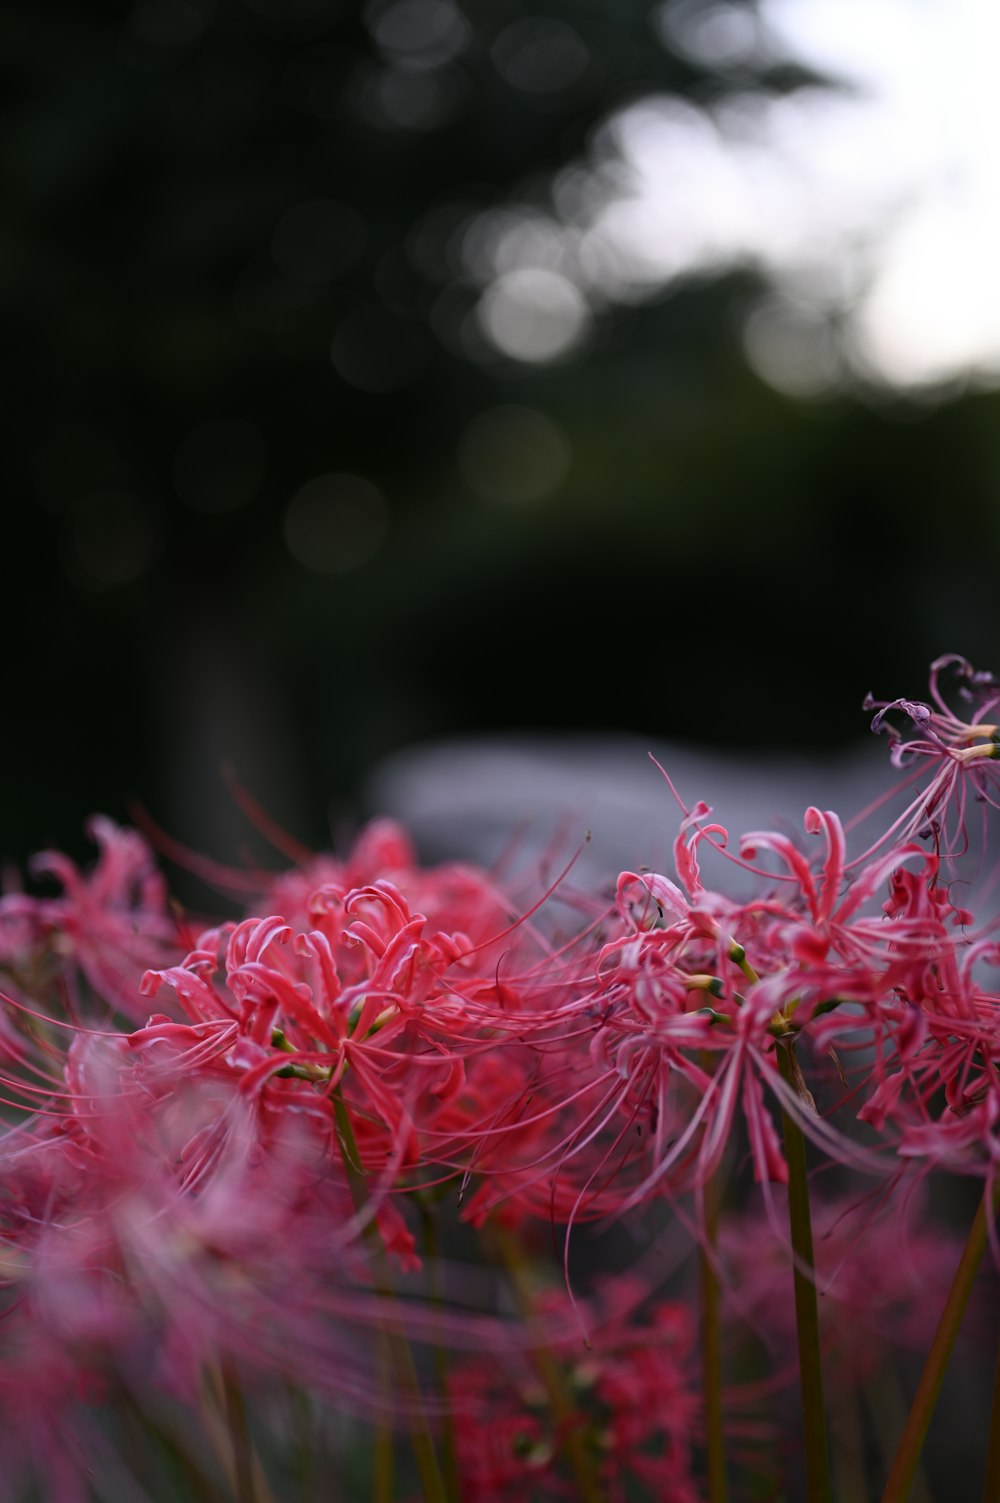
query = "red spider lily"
x=455 y=896
x=362 y=996
x=145 y=1236
x=431 y=1037
x=951 y=757
x=110 y=925
x=165 y=1222
x=358 y=1003
x=632 y=1404
x=880 y=1268
x=204 y=1192
x=934 y=1081
x=940 y=1092
x=695 y=992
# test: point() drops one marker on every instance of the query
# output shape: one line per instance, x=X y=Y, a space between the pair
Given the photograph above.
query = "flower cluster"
x=231 y=1151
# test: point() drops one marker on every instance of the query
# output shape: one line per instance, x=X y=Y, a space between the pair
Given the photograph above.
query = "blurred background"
x=430 y=369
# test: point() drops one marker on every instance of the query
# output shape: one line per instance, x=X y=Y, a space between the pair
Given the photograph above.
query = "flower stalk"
x=711 y=1347
x=897 y=1488
x=402 y=1358
x=244 y=1488
x=711 y=1343
x=806 y=1308
x=432 y=1251
x=991 y=1490
x=573 y=1441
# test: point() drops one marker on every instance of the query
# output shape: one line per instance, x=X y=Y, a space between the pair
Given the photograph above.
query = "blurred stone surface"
x=474 y=798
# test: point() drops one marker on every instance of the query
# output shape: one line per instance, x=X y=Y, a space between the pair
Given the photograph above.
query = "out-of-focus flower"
x=881 y=1272
x=180 y=1197
x=107 y=925
x=633 y=1399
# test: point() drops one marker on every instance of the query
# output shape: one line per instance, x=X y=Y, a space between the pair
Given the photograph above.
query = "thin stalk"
x=991 y=1491
x=432 y=1252
x=198 y=1484
x=384 y=1453
x=244 y=1490
x=897 y=1489
x=847 y=1434
x=885 y=1405
x=384 y=1459
x=308 y=1439
x=806 y=1309
x=711 y=1349
x=553 y=1378
x=402 y=1358
x=715 y=1448
x=224 y=1421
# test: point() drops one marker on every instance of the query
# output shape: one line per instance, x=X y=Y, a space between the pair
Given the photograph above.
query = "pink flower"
x=358 y=1002
x=635 y=1407
x=882 y=1266
x=864 y=967
x=695 y=992
x=166 y=1224
x=109 y=925
x=957 y=753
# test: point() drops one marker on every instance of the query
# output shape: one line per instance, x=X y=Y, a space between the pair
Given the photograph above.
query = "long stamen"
x=982 y=749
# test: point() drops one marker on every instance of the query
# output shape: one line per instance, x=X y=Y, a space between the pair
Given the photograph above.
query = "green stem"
x=572 y=1441
x=991 y=1492
x=847 y=1433
x=383 y=1461
x=897 y=1489
x=384 y=1458
x=244 y=1490
x=224 y=1420
x=432 y=1252
x=806 y=1309
x=402 y=1358
x=145 y=1426
x=711 y=1350
x=885 y=1405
